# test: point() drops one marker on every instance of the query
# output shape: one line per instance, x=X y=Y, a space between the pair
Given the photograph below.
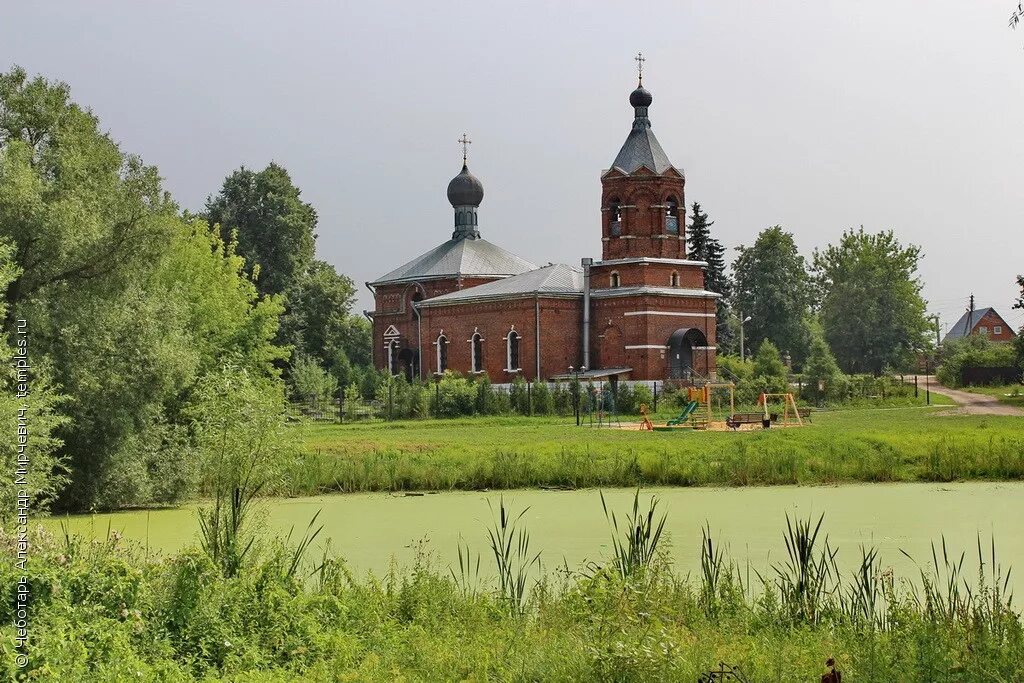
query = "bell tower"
x=642 y=200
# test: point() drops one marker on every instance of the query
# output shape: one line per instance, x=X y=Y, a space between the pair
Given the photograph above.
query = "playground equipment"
x=601 y=401
x=789 y=409
x=645 y=420
x=697 y=413
x=688 y=410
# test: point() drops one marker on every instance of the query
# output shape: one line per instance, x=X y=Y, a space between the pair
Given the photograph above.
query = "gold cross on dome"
x=466 y=142
x=640 y=59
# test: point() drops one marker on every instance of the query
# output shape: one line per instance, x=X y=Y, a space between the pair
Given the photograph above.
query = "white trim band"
x=672 y=313
x=649 y=346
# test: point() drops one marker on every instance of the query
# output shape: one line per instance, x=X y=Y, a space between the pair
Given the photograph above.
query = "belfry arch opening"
x=672 y=216
x=682 y=345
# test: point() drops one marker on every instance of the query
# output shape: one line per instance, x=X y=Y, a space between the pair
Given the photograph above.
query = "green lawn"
x=1012 y=394
x=894 y=444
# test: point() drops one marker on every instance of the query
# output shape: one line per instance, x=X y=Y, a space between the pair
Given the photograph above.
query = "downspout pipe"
x=536 y=336
x=586 y=263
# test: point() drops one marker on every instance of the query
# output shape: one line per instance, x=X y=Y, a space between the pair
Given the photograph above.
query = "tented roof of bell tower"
x=641 y=149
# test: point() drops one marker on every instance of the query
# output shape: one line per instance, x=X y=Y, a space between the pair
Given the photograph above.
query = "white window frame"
x=473 y=361
x=391 y=345
x=437 y=343
x=614 y=280
x=508 y=349
x=997 y=329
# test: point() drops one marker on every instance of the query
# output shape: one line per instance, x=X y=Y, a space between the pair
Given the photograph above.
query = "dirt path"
x=969 y=403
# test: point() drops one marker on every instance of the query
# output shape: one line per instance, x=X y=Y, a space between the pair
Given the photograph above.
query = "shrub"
x=561 y=398
x=453 y=396
x=732 y=368
x=543 y=403
x=822 y=376
x=625 y=400
x=973 y=351
x=484 y=404
x=310 y=383
x=519 y=397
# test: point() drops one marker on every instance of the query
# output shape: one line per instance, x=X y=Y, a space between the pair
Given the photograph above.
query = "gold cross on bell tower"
x=640 y=59
x=466 y=142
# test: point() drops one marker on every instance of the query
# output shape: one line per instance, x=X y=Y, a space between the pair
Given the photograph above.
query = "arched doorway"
x=680 y=351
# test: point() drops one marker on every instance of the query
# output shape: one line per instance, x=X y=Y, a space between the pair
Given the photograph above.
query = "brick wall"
x=559 y=336
x=990 y=322
x=642 y=231
x=394 y=308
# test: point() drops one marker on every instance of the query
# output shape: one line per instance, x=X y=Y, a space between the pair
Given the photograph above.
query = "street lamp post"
x=743 y=321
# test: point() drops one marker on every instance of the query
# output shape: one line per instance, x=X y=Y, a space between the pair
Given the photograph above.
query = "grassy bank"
x=103 y=611
x=1011 y=395
x=900 y=444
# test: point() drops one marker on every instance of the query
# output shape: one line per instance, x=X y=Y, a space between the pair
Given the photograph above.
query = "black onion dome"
x=640 y=97
x=465 y=189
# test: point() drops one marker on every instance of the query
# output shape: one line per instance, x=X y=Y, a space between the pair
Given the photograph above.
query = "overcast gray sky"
x=818 y=116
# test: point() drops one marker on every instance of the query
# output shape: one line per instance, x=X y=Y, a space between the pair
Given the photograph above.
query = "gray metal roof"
x=960 y=329
x=642 y=149
x=556 y=279
x=464 y=256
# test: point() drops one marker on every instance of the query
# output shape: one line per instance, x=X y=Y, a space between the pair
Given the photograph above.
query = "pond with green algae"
x=370 y=530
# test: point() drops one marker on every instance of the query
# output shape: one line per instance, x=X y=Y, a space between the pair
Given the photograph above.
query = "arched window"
x=613 y=279
x=477 y=353
x=392 y=349
x=512 y=351
x=674 y=280
x=615 y=217
x=442 y=353
x=672 y=216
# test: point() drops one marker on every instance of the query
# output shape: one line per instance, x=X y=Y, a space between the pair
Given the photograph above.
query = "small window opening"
x=477 y=353
x=672 y=216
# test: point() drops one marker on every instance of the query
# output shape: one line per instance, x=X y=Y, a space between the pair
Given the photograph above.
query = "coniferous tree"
x=701 y=246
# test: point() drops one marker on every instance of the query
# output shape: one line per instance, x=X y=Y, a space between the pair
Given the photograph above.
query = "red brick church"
x=640 y=313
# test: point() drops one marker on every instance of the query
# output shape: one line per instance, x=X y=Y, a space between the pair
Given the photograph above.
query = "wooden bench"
x=734 y=421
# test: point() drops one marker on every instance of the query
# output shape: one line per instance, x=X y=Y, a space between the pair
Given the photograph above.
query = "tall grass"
x=636 y=544
x=809 y=577
x=510 y=547
x=503 y=453
x=107 y=611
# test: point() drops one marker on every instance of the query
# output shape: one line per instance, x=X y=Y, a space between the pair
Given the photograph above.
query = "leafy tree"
x=773 y=288
x=1019 y=341
x=318 y=320
x=243 y=451
x=975 y=350
x=33 y=405
x=823 y=378
x=273 y=227
x=78 y=211
x=310 y=383
x=871 y=309
x=768 y=362
x=700 y=245
x=128 y=303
